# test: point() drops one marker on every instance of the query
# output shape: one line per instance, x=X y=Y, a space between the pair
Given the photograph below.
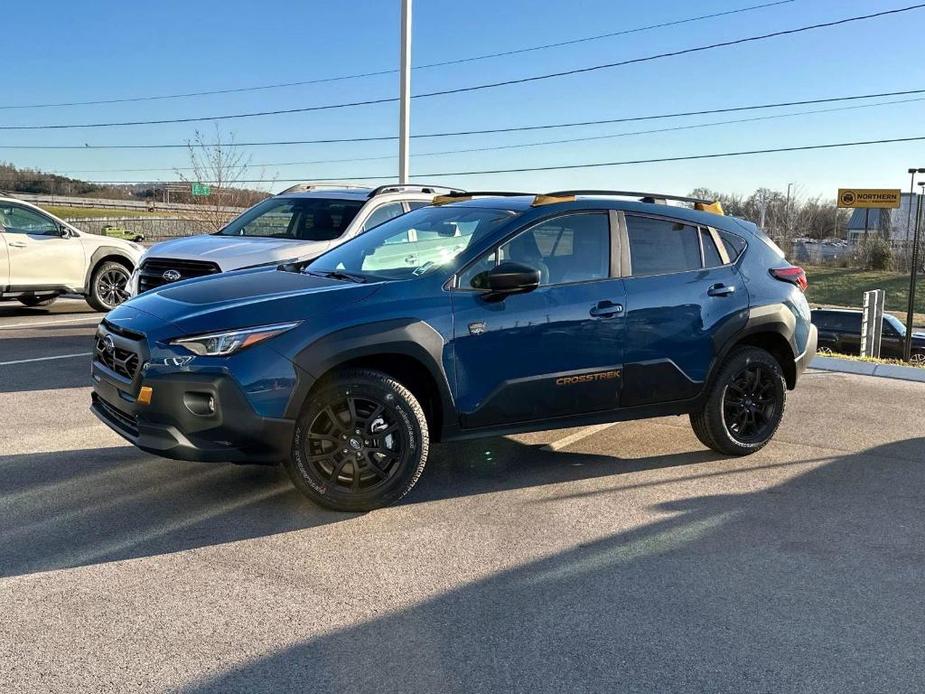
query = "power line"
x=562 y=167
x=479 y=87
x=490 y=131
x=522 y=145
x=376 y=73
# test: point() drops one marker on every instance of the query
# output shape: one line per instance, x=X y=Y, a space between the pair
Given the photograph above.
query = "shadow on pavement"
x=83 y=507
x=813 y=585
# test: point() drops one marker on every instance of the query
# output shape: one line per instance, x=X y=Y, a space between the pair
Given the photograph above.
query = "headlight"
x=225 y=343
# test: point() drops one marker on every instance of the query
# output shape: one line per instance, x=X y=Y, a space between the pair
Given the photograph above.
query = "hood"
x=236 y=252
x=249 y=297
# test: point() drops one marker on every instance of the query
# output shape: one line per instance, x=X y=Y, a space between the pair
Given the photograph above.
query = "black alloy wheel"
x=744 y=403
x=750 y=403
x=360 y=443
x=355 y=443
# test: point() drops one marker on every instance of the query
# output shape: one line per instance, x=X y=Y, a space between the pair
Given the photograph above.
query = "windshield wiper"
x=338 y=275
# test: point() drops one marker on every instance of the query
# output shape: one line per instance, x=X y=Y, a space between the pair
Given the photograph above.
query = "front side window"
x=19 y=220
x=303 y=219
x=383 y=214
x=412 y=244
x=568 y=249
x=662 y=246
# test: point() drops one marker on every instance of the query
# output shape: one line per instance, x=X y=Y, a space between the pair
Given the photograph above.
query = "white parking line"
x=15 y=326
x=577 y=436
x=60 y=356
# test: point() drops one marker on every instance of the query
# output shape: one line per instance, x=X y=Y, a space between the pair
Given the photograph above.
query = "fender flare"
x=402 y=336
x=772 y=318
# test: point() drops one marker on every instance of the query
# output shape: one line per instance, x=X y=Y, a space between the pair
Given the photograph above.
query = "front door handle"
x=16 y=244
x=606 y=309
x=721 y=290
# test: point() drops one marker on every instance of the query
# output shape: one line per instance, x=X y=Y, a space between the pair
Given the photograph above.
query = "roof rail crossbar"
x=645 y=197
x=422 y=187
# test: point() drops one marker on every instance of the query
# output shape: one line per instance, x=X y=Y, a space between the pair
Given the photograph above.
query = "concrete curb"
x=863 y=368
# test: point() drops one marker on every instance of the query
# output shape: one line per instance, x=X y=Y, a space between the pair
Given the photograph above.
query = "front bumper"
x=171 y=427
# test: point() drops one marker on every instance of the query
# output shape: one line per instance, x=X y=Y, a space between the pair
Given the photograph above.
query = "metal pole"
x=404 y=118
x=913 y=278
x=909 y=214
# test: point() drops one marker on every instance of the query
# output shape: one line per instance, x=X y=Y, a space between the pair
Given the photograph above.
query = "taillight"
x=794 y=275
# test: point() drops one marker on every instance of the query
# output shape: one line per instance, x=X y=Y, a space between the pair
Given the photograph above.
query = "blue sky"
x=123 y=49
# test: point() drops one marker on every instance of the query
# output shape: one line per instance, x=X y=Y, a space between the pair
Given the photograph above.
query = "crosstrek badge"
x=588 y=378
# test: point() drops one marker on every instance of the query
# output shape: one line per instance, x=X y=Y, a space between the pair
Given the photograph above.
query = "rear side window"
x=711 y=256
x=735 y=245
x=660 y=246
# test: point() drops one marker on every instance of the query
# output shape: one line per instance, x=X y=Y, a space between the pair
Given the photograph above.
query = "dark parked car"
x=480 y=316
x=840 y=332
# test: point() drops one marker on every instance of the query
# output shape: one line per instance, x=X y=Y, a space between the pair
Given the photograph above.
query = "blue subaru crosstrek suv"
x=484 y=314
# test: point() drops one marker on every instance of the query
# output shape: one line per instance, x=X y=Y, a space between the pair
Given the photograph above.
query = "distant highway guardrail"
x=102 y=203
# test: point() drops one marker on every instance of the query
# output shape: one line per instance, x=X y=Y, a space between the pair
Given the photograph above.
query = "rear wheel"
x=108 y=286
x=360 y=443
x=745 y=404
x=37 y=301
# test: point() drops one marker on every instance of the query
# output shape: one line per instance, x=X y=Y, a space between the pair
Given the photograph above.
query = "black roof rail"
x=485 y=194
x=644 y=197
x=422 y=187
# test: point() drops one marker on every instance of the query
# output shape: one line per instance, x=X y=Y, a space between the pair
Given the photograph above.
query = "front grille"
x=122 y=361
x=117 y=417
x=151 y=273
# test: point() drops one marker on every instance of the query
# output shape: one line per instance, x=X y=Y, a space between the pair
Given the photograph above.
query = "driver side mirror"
x=64 y=232
x=506 y=279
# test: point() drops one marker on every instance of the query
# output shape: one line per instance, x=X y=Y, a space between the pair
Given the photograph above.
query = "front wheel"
x=360 y=443
x=108 y=286
x=745 y=404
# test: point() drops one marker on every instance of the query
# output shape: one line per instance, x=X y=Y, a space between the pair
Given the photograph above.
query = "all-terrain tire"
x=360 y=443
x=732 y=400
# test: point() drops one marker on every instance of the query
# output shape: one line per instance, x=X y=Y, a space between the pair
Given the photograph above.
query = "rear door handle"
x=606 y=309
x=721 y=290
x=16 y=244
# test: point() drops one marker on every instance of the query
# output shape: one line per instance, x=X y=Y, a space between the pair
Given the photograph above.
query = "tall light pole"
x=404 y=116
x=913 y=276
x=912 y=173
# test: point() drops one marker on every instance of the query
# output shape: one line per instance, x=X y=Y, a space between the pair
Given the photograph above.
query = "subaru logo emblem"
x=171 y=275
x=108 y=344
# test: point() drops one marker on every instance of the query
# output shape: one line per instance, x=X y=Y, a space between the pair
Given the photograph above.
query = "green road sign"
x=200 y=189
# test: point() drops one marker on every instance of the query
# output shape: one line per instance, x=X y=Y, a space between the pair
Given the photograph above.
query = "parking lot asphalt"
x=631 y=559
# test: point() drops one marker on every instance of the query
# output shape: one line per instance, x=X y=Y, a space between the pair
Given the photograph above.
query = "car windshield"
x=896 y=323
x=413 y=244
x=303 y=219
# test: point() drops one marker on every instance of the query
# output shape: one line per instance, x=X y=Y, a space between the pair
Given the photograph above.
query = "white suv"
x=300 y=223
x=42 y=257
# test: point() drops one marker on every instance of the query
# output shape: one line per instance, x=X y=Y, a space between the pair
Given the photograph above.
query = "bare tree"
x=226 y=170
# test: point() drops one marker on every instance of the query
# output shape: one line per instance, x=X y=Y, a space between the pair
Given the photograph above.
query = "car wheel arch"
x=411 y=352
x=104 y=255
x=771 y=328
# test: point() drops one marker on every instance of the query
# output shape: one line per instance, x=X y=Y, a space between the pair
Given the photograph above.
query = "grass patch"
x=92 y=212
x=871 y=360
x=835 y=286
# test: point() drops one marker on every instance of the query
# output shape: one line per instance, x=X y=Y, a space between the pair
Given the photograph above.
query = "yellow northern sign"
x=869 y=197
